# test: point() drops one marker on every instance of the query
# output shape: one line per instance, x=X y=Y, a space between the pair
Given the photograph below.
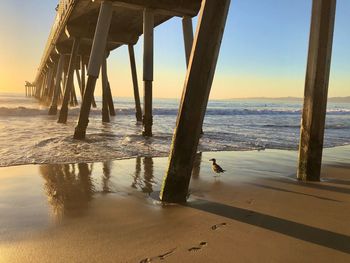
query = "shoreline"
x=103 y=212
x=325 y=149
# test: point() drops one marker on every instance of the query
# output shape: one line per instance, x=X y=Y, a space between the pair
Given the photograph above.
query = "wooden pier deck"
x=79 y=18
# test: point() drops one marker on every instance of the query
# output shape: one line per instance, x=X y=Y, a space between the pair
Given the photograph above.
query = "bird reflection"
x=144 y=184
x=69 y=190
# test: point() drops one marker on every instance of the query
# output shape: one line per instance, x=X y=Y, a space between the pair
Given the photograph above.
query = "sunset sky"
x=263 y=53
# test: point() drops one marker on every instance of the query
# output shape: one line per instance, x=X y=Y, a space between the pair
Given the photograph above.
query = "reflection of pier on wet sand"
x=103 y=212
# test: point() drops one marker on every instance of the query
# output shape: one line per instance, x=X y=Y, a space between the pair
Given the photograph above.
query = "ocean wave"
x=297 y=126
x=24 y=112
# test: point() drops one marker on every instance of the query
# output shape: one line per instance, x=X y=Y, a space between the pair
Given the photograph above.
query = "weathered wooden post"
x=52 y=82
x=105 y=110
x=43 y=85
x=199 y=78
x=79 y=82
x=64 y=80
x=39 y=85
x=69 y=83
x=83 y=83
x=148 y=28
x=74 y=100
x=135 y=83
x=187 y=29
x=109 y=97
x=96 y=57
x=53 y=107
x=47 y=84
x=316 y=89
x=85 y=63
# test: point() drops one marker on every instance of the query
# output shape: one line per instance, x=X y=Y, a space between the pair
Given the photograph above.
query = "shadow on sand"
x=303 y=232
x=315 y=185
x=292 y=192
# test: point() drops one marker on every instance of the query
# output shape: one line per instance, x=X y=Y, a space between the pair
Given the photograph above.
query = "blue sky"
x=263 y=53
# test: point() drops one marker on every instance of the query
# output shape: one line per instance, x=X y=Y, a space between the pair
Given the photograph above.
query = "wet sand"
x=105 y=212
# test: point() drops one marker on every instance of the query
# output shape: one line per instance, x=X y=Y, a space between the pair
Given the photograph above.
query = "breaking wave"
x=24 y=112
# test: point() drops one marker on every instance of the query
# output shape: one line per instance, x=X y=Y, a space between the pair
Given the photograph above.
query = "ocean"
x=29 y=136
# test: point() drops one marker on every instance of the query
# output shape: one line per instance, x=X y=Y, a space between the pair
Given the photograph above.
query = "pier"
x=85 y=32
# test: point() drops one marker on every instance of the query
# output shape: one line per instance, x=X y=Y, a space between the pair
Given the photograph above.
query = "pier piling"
x=316 y=89
x=135 y=84
x=187 y=28
x=69 y=82
x=57 y=88
x=46 y=90
x=52 y=82
x=148 y=46
x=105 y=108
x=109 y=96
x=77 y=73
x=83 y=82
x=96 y=57
x=194 y=100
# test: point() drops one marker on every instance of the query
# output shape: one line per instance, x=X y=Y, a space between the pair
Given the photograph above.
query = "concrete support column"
x=57 y=88
x=135 y=83
x=105 y=110
x=69 y=83
x=316 y=90
x=199 y=78
x=148 y=28
x=96 y=58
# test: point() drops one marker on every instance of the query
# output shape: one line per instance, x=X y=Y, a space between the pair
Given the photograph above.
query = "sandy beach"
x=108 y=212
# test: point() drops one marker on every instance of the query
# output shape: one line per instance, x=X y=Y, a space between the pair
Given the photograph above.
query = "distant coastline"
x=331 y=99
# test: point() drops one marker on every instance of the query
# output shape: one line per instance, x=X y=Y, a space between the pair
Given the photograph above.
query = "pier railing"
x=63 y=9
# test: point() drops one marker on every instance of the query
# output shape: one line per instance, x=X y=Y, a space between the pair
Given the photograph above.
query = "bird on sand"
x=216 y=168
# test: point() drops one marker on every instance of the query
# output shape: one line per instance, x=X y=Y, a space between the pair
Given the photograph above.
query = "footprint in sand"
x=250 y=201
x=217 y=226
x=201 y=245
x=161 y=257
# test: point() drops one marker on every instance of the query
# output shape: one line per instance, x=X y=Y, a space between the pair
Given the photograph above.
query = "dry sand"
x=104 y=212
